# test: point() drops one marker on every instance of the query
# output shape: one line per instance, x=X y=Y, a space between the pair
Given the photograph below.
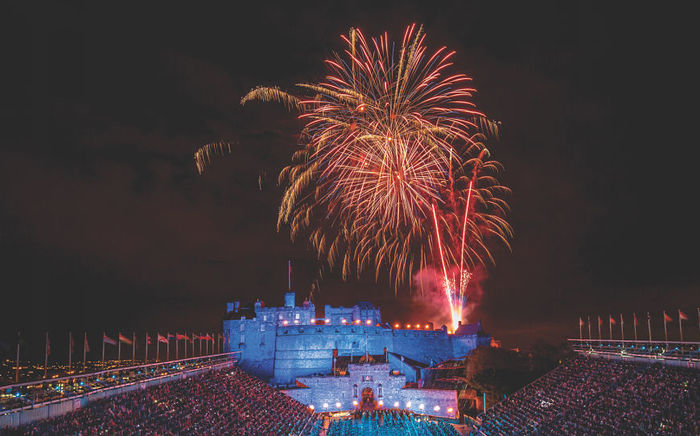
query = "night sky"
x=105 y=224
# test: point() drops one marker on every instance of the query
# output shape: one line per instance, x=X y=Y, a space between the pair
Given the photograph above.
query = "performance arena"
x=340 y=388
x=586 y=395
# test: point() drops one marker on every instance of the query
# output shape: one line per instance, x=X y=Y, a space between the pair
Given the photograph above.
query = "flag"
x=179 y=337
x=148 y=339
x=85 y=344
x=667 y=318
x=612 y=320
x=600 y=321
x=72 y=343
x=194 y=336
x=48 y=345
x=162 y=338
x=124 y=339
x=171 y=336
x=682 y=315
x=106 y=339
x=580 y=322
x=634 y=315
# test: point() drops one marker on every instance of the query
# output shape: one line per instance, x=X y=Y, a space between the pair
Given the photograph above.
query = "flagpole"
x=649 y=325
x=580 y=334
x=665 y=330
x=119 y=345
x=589 y=327
x=680 y=324
x=177 y=346
x=46 y=354
x=167 y=348
x=200 y=341
x=634 y=315
x=622 y=329
x=17 y=361
x=84 y=350
x=145 y=359
x=103 y=346
x=70 y=350
x=158 y=347
x=610 y=325
x=133 y=347
x=600 y=321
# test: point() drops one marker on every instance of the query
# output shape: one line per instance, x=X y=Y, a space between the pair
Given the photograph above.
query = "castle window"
x=242 y=339
x=242 y=326
x=296 y=316
x=281 y=316
x=379 y=390
x=264 y=317
x=262 y=327
x=354 y=391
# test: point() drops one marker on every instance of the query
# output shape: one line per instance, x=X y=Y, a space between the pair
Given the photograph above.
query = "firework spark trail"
x=388 y=135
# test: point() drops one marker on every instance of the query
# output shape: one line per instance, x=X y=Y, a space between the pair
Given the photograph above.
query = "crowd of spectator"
x=587 y=395
x=227 y=401
x=389 y=422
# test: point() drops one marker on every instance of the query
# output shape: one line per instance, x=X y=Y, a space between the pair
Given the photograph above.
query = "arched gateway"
x=368 y=402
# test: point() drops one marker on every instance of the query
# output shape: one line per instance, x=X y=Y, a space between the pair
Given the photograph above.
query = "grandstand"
x=226 y=401
x=601 y=395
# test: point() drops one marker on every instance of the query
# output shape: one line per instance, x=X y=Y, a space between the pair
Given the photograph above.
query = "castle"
x=347 y=357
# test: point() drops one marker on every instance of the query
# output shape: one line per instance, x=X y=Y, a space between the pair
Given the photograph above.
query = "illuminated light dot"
x=313 y=320
x=325 y=405
x=285 y=322
x=408 y=326
x=421 y=406
x=369 y=321
x=426 y=326
x=396 y=404
x=311 y=407
x=354 y=402
x=450 y=410
x=381 y=402
x=296 y=321
x=396 y=325
x=344 y=321
x=337 y=405
x=408 y=404
x=328 y=321
x=436 y=408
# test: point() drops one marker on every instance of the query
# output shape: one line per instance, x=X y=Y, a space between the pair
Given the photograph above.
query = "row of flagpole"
x=217 y=341
x=612 y=321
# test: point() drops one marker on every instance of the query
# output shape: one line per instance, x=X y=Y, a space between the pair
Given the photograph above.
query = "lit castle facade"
x=348 y=357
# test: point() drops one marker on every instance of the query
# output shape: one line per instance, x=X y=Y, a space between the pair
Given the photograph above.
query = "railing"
x=32 y=394
x=657 y=350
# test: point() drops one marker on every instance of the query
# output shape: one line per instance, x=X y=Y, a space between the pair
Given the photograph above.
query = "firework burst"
x=392 y=162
